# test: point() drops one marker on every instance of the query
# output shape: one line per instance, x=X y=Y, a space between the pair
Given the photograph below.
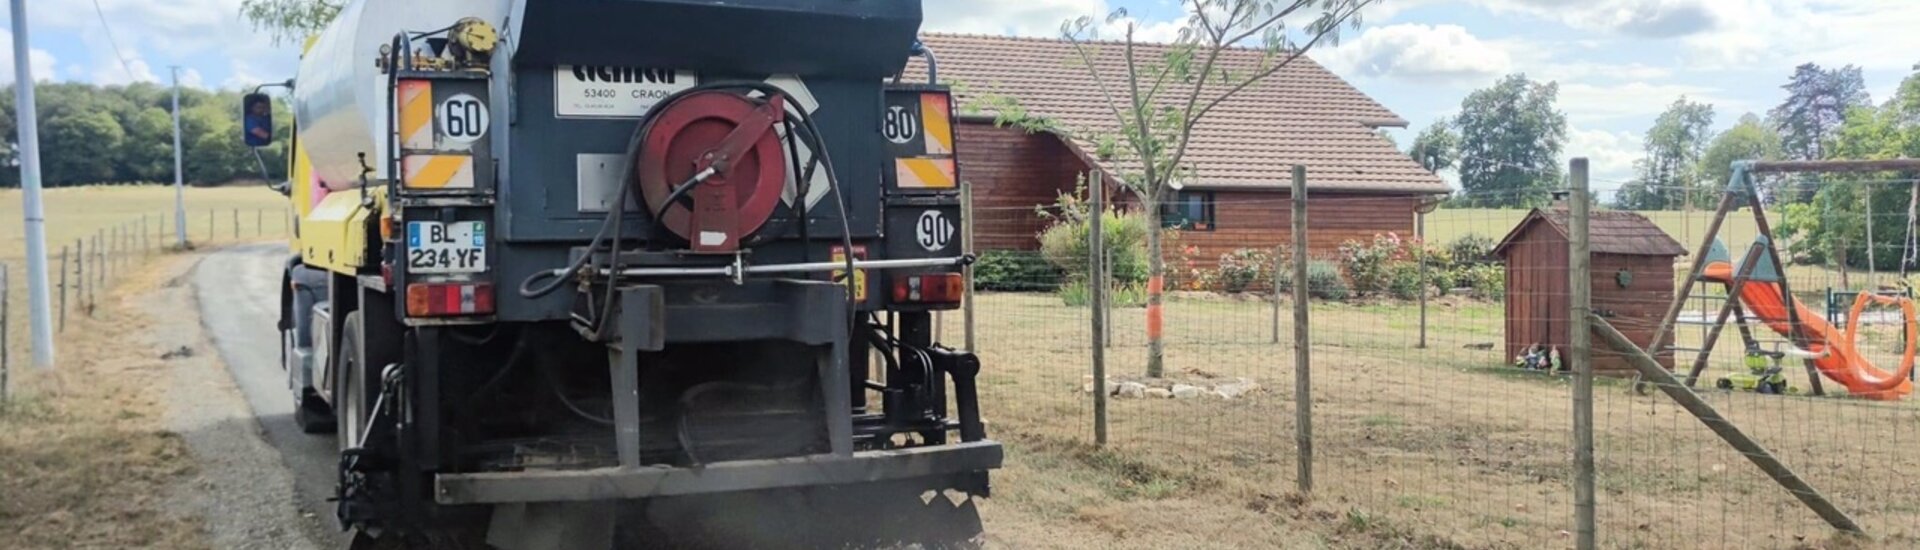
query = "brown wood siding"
x=1011 y=172
x=1264 y=220
x=1538 y=299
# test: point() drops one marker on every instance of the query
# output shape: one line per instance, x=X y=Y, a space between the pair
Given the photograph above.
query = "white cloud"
x=1610 y=155
x=154 y=35
x=1428 y=53
x=1016 y=17
x=1642 y=18
x=1875 y=34
x=42 y=63
x=1596 y=103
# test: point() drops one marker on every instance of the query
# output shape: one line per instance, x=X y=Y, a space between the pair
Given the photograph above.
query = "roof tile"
x=1304 y=114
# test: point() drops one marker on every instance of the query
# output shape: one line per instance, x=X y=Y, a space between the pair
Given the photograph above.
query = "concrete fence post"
x=236 y=224
x=1580 y=340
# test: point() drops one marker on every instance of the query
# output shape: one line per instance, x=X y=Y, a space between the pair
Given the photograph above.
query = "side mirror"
x=284 y=188
x=257 y=119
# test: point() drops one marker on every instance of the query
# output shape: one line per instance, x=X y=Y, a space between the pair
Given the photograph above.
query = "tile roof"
x=1303 y=114
x=1608 y=232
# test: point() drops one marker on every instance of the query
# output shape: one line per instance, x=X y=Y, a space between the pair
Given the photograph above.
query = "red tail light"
x=936 y=288
x=449 y=299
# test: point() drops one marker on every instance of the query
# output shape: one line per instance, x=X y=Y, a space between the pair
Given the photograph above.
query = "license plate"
x=440 y=247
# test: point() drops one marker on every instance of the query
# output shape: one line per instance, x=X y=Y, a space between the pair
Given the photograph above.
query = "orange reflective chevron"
x=936 y=115
x=438 y=171
x=416 y=113
x=920 y=173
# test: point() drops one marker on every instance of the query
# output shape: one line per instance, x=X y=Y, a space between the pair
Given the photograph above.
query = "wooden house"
x=1633 y=281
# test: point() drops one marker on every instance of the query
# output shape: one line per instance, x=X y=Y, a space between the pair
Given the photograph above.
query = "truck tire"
x=354 y=385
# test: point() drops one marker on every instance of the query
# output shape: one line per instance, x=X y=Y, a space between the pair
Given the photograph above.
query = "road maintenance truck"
x=577 y=273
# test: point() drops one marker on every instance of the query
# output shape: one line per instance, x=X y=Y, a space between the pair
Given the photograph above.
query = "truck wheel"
x=353 y=389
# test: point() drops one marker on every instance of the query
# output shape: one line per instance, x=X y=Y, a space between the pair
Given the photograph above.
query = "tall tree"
x=1669 y=174
x=1750 y=139
x=1816 y=105
x=1436 y=148
x=1510 y=140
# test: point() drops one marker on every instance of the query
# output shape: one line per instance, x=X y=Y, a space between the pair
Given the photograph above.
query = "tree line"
x=124 y=134
x=1507 y=139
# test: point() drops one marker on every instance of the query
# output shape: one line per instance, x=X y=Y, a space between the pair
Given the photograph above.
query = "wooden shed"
x=1633 y=281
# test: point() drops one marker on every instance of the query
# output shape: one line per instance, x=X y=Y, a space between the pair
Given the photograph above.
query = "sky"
x=1618 y=62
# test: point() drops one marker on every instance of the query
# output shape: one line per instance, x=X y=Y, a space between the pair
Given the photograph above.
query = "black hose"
x=546 y=372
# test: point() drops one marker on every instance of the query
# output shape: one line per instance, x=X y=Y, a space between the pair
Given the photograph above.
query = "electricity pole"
x=35 y=214
x=179 y=177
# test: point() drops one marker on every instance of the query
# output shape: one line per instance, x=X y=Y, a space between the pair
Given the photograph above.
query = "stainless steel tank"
x=340 y=95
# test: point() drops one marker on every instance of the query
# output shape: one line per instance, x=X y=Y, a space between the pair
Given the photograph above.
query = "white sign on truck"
x=614 y=92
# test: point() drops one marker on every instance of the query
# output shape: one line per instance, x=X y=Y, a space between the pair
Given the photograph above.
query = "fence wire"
x=1441 y=394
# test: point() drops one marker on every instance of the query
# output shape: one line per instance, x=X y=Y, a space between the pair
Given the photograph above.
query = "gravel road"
x=267 y=482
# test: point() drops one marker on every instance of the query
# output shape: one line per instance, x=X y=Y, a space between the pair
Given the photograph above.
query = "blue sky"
x=1618 y=62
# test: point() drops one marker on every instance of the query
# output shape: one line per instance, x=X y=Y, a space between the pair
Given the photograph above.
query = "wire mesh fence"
x=99 y=253
x=1441 y=366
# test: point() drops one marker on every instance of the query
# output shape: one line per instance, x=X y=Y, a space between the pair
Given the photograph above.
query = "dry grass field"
x=1436 y=447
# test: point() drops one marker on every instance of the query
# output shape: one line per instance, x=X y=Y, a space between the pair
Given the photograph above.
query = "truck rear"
x=577 y=271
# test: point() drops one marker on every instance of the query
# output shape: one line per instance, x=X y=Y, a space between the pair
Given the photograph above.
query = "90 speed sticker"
x=934 y=231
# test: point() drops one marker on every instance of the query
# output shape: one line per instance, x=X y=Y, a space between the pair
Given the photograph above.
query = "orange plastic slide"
x=1838 y=358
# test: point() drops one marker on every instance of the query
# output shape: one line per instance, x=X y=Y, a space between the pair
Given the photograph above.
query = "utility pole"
x=35 y=214
x=179 y=176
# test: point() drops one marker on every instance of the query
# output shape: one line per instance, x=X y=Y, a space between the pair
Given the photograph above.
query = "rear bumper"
x=744 y=475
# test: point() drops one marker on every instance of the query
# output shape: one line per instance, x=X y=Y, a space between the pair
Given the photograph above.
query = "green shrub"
x=1240 y=268
x=1076 y=294
x=1064 y=244
x=1323 y=281
x=1014 y=270
x=1472 y=248
x=1488 y=281
x=1369 y=265
x=1403 y=281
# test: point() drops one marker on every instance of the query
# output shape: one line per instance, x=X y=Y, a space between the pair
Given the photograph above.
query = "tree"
x=1816 y=106
x=290 y=20
x=1750 y=139
x=1158 y=95
x=1510 y=139
x=1669 y=176
x=1436 y=148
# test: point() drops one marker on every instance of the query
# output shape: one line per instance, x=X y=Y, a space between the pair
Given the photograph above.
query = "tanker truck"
x=581 y=274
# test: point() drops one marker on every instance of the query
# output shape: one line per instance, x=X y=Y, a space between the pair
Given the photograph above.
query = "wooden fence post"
x=63 y=290
x=1728 y=432
x=1097 y=290
x=1302 y=337
x=967 y=246
x=1580 y=339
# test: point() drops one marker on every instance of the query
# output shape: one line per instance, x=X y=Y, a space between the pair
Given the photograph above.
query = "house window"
x=1190 y=210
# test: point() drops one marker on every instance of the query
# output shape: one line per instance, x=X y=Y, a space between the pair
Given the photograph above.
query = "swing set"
x=1757 y=291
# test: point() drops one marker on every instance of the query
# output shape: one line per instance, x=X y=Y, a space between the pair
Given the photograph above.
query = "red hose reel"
x=724 y=145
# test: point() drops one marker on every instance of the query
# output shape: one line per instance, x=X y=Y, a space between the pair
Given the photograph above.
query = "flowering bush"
x=1369 y=265
x=1240 y=268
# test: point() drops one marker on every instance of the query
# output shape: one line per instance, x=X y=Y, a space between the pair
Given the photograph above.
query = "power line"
x=114 y=43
